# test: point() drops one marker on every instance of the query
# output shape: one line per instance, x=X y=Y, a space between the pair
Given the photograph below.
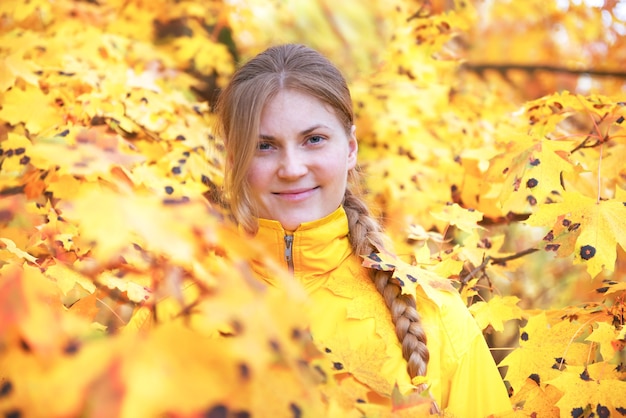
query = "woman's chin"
x=291 y=223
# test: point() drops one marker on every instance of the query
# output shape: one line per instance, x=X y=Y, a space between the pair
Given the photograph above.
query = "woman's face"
x=300 y=169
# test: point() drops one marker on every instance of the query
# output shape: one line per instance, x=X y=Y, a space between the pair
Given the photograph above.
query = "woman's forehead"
x=298 y=108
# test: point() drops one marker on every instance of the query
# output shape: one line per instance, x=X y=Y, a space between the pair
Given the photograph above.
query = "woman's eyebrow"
x=313 y=128
x=305 y=132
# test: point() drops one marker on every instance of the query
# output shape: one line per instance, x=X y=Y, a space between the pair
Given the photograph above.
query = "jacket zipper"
x=289 y=252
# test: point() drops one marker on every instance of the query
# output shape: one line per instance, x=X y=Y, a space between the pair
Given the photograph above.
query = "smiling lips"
x=296 y=194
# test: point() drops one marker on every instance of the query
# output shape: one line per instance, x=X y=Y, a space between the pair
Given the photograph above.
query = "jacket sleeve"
x=476 y=388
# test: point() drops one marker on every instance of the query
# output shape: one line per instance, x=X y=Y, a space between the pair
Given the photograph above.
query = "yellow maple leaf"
x=58 y=384
x=547 y=112
x=20 y=11
x=92 y=152
x=537 y=399
x=422 y=255
x=463 y=218
x=448 y=267
x=604 y=334
x=30 y=106
x=543 y=346
x=114 y=221
x=149 y=109
x=418 y=233
x=524 y=175
x=477 y=245
x=363 y=362
x=14 y=66
x=136 y=292
x=612 y=287
x=496 y=311
x=64 y=186
x=66 y=278
x=601 y=226
x=15 y=153
x=366 y=305
x=104 y=103
x=204 y=55
x=409 y=277
x=170 y=176
x=345 y=395
x=471 y=289
x=591 y=388
x=10 y=246
x=31 y=310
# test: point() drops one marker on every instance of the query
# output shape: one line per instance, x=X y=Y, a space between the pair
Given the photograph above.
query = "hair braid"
x=366 y=237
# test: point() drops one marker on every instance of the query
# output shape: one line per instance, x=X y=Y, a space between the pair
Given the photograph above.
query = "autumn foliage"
x=492 y=138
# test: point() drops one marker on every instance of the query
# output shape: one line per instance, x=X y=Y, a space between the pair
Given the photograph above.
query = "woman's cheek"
x=257 y=175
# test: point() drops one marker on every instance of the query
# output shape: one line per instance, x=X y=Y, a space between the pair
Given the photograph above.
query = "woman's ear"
x=353 y=148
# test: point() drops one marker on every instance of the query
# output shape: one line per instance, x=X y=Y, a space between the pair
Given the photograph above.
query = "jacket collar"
x=318 y=246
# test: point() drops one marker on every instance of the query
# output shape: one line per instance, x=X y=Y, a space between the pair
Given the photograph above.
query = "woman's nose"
x=292 y=165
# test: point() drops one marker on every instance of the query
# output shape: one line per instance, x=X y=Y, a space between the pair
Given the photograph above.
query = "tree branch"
x=480 y=68
x=585 y=143
x=494 y=260
x=503 y=260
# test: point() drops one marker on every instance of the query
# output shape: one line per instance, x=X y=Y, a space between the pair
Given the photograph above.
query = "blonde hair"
x=239 y=108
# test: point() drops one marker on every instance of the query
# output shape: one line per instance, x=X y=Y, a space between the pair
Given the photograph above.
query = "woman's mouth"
x=296 y=194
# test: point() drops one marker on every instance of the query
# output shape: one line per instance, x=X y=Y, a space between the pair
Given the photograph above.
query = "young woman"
x=289 y=131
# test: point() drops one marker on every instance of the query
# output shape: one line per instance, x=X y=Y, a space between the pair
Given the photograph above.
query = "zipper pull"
x=289 y=251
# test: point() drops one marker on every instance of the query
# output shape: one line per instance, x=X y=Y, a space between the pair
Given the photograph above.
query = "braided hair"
x=366 y=236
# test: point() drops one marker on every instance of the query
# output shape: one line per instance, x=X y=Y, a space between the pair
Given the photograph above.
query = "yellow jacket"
x=351 y=324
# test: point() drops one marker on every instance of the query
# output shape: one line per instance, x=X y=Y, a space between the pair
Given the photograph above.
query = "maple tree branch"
x=495 y=260
x=473 y=273
x=420 y=14
x=531 y=68
x=584 y=144
x=503 y=260
x=504 y=220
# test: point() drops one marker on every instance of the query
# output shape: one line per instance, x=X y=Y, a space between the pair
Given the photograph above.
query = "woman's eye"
x=263 y=146
x=316 y=139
